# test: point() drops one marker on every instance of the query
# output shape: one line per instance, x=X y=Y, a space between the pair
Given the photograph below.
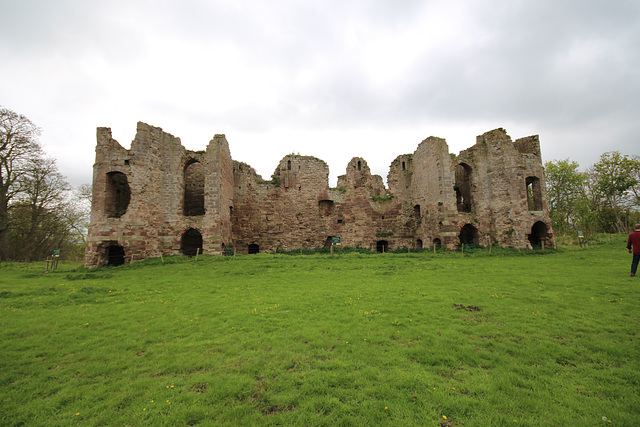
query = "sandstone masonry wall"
x=159 y=198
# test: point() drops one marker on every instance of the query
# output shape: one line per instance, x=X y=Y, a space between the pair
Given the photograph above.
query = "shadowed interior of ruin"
x=193 y=189
x=118 y=194
x=115 y=254
x=463 y=187
x=191 y=243
x=534 y=193
x=469 y=235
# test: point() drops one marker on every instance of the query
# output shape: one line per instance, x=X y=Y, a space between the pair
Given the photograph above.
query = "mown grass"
x=393 y=339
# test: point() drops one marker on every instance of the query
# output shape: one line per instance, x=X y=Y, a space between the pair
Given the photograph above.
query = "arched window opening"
x=382 y=246
x=359 y=165
x=469 y=235
x=419 y=244
x=191 y=243
x=118 y=195
x=539 y=234
x=404 y=166
x=462 y=187
x=193 y=189
x=534 y=194
x=115 y=254
x=416 y=212
x=288 y=165
x=253 y=249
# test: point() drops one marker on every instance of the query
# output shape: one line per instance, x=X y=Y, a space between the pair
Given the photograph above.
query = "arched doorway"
x=253 y=249
x=115 y=255
x=538 y=234
x=437 y=243
x=468 y=235
x=419 y=244
x=191 y=243
x=382 y=246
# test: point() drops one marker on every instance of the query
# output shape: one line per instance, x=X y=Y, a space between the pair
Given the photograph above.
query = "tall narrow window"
x=416 y=212
x=463 y=187
x=534 y=194
x=359 y=165
x=118 y=195
x=288 y=165
x=193 y=189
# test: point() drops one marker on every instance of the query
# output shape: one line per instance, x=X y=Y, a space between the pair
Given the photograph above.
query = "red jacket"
x=634 y=239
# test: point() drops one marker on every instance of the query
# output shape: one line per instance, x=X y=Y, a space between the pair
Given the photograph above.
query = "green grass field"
x=393 y=339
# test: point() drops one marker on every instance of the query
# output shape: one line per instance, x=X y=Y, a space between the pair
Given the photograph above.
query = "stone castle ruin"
x=160 y=198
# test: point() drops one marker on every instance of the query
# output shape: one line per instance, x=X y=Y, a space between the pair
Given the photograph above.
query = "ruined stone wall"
x=157 y=172
x=159 y=198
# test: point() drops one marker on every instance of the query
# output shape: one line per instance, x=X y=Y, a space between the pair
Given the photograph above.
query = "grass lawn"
x=506 y=339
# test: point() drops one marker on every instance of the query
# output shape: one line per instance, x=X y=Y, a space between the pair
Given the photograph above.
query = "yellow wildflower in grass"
x=444 y=417
x=386 y=407
x=77 y=414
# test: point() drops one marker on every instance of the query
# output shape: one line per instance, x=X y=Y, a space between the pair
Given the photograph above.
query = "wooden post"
x=234 y=251
x=131 y=260
x=161 y=259
x=197 y=253
x=463 y=249
x=332 y=250
x=490 y=244
x=408 y=251
x=47 y=266
x=542 y=243
x=434 y=249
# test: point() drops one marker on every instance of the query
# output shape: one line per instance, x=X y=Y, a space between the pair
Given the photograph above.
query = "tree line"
x=603 y=199
x=39 y=210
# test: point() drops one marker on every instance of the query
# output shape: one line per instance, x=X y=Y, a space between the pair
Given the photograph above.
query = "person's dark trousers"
x=634 y=263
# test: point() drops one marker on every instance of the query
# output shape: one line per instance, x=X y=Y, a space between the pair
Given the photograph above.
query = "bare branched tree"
x=18 y=147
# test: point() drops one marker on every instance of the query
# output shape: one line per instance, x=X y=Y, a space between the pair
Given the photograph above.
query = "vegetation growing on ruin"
x=384 y=198
x=393 y=339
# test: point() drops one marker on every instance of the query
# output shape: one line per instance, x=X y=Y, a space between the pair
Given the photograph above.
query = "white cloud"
x=324 y=78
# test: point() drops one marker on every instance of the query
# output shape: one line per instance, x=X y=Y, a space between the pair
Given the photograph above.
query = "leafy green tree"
x=614 y=178
x=566 y=195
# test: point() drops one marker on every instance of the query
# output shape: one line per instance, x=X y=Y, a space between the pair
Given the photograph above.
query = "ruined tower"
x=159 y=198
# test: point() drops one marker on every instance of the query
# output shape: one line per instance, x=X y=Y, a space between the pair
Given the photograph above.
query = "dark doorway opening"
x=419 y=244
x=191 y=243
x=253 y=249
x=118 y=195
x=193 y=189
x=382 y=246
x=538 y=234
x=115 y=255
x=437 y=243
x=468 y=235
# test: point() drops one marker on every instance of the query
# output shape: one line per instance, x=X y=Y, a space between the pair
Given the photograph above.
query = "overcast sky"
x=330 y=79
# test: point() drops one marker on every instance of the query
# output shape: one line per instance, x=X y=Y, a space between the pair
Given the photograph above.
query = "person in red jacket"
x=634 y=240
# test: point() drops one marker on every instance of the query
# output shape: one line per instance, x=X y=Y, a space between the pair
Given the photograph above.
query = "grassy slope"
x=356 y=339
